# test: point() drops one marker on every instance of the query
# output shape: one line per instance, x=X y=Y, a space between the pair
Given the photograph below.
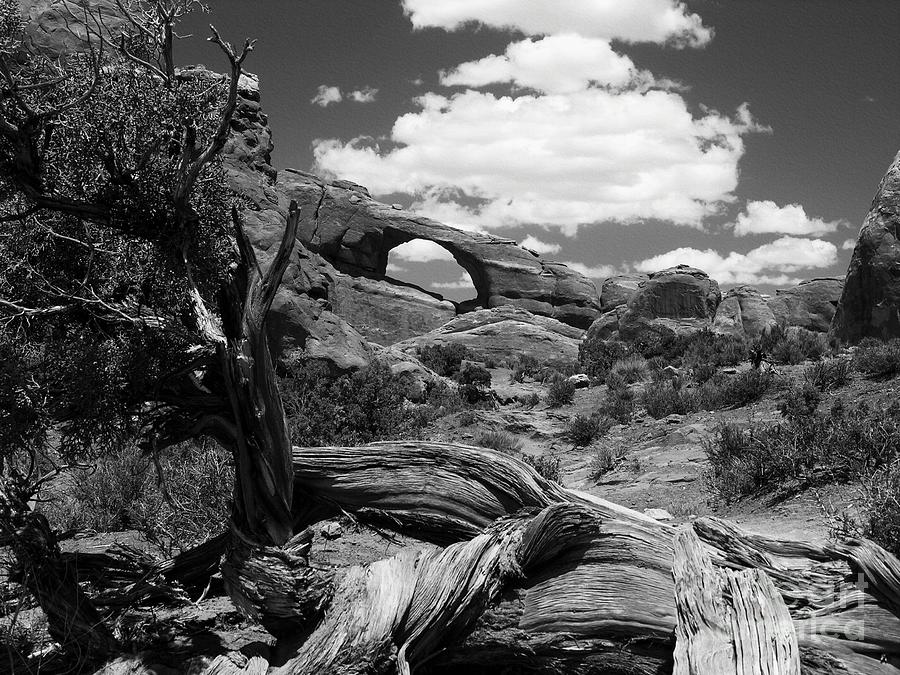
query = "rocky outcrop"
x=356 y=233
x=618 y=290
x=810 y=305
x=744 y=313
x=503 y=332
x=384 y=311
x=870 y=301
x=670 y=302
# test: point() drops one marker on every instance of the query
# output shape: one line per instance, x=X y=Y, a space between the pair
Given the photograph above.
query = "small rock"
x=729 y=371
x=331 y=530
x=580 y=380
x=355 y=199
x=674 y=419
x=671 y=373
x=397 y=207
x=658 y=514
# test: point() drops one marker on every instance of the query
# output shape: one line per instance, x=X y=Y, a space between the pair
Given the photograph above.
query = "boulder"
x=810 y=305
x=869 y=305
x=670 y=302
x=618 y=290
x=340 y=221
x=503 y=332
x=745 y=313
x=415 y=378
x=385 y=311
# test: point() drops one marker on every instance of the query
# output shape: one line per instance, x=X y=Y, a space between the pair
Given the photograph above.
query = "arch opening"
x=433 y=268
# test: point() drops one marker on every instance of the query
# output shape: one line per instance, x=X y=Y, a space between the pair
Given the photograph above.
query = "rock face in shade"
x=355 y=233
x=502 y=332
x=810 y=305
x=384 y=311
x=677 y=300
x=870 y=302
x=618 y=290
x=744 y=313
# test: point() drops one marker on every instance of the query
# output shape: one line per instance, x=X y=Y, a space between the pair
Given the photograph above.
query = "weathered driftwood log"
x=729 y=622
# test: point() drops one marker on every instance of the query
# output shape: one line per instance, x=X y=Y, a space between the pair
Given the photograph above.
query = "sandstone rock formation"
x=502 y=332
x=618 y=290
x=356 y=233
x=810 y=305
x=386 y=311
x=744 y=313
x=670 y=302
x=870 y=302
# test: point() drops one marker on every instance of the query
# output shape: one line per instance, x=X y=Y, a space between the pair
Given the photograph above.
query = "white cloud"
x=420 y=250
x=772 y=263
x=595 y=272
x=560 y=160
x=767 y=217
x=326 y=95
x=364 y=95
x=555 y=64
x=540 y=247
x=464 y=282
x=627 y=20
x=848 y=244
x=394 y=268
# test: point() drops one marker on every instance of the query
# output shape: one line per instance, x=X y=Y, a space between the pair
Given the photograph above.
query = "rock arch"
x=355 y=233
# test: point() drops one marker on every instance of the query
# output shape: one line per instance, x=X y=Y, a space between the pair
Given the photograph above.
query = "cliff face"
x=870 y=302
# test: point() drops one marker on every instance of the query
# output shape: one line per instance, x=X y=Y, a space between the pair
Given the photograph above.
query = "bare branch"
x=276 y=270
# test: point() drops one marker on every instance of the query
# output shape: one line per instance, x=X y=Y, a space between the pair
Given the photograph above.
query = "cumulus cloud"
x=420 y=250
x=594 y=272
x=464 y=282
x=660 y=21
x=848 y=244
x=775 y=263
x=767 y=217
x=561 y=160
x=555 y=64
x=364 y=95
x=326 y=95
x=540 y=247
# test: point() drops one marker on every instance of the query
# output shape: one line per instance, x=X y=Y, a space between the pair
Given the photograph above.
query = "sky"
x=744 y=137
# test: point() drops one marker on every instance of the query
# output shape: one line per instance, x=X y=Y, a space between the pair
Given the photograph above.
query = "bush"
x=125 y=492
x=706 y=348
x=791 y=346
x=738 y=390
x=583 y=430
x=546 y=465
x=804 y=450
x=631 y=368
x=828 y=374
x=501 y=441
x=877 y=359
x=444 y=359
x=605 y=459
x=662 y=399
x=618 y=404
x=597 y=356
x=561 y=392
x=530 y=400
x=801 y=400
x=882 y=507
x=352 y=409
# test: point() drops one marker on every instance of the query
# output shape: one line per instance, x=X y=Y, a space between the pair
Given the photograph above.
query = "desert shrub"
x=529 y=400
x=564 y=367
x=703 y=372
x=804 y=450
x=712 y=349
x=877 y=359
x=350 y=409
x=177 y=506
x=743 y=388
x=881 y=508
x=522 y=366
x=618 y=404
x=547 y=466
x=605 y=459
x=501 y=441
x=597 y=356
x=561 y=392
x=631 y=368
x=583 y=430
x=828 y=374
x=474 y=383
x=662 y=398
x=444 y=359
x=801 y=400
x=443 y=399
x=794 y=345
